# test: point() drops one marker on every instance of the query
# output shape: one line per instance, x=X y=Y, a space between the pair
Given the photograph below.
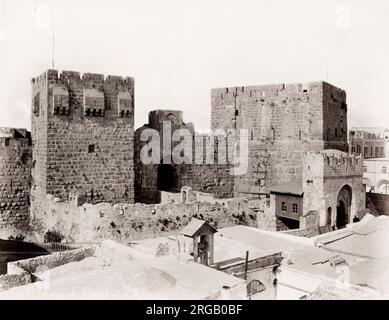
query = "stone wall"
x=149 y=178
x=125 y=222
x=15 y=178
x=49 y=261
x=82 y=129
x=8 y=281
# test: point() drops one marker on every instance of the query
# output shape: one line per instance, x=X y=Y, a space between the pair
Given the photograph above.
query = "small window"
x=7 y=140
x=236 y=112
x=91 y=148
x=336 y=132
x=295 y=208
x=364 y=169
x=300 y=135
x=283 y=206
x=383 y=169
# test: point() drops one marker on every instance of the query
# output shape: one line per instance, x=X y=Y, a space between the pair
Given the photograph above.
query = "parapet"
x=335 y=162
x=97 y=95
x=75 y=76
x=262 y=91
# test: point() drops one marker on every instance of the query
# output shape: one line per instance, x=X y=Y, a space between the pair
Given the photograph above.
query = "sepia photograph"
x=196 y=151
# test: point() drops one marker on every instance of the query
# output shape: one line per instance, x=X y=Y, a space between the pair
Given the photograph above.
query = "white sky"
x=178 y=50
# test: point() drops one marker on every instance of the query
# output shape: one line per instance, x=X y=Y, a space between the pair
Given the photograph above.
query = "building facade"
x=376 y=175
x=369 y=144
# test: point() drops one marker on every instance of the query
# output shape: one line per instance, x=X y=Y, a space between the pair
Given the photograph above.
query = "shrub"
x=19 y=237
x=53 y=236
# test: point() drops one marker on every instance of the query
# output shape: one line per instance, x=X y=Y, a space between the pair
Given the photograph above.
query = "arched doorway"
x=343 y=207
x=254 y=287
x=166 y=178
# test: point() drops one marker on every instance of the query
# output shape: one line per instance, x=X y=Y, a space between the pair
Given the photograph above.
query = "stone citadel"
x=79 y=172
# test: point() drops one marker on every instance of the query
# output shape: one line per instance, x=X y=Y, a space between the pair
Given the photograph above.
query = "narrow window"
x=236 y=113
x=329 y=216
x=295 y=208
x=91 y=148
x=300 y=136
x=7 y=140
x=283 y=206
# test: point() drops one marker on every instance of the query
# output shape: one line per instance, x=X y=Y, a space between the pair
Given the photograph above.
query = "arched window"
x=255 y=286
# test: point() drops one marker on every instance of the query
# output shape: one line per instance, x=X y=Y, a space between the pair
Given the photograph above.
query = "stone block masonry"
x=150 y=179
x=83 y=137
x=15 y=178
x=283 y=121
x=124 y=222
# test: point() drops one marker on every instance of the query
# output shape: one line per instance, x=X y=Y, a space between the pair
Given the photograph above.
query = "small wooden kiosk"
x=203 y=246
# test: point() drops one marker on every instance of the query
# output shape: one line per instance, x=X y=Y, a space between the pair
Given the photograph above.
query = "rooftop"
x=120 y=272
x=294 y=187
x=194 y=226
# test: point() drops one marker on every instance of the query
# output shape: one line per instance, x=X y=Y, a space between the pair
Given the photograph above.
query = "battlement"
x=260 y=93
x=265 y=90
x=69 y=93
x=74 y=76
x=334 y=163
x=336 y=157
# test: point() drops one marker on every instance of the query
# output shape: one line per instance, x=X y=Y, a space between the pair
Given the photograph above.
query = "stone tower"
x=83 y=137
x=283 y=122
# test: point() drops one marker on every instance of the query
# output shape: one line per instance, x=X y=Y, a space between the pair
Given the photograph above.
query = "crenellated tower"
x=83 y=137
